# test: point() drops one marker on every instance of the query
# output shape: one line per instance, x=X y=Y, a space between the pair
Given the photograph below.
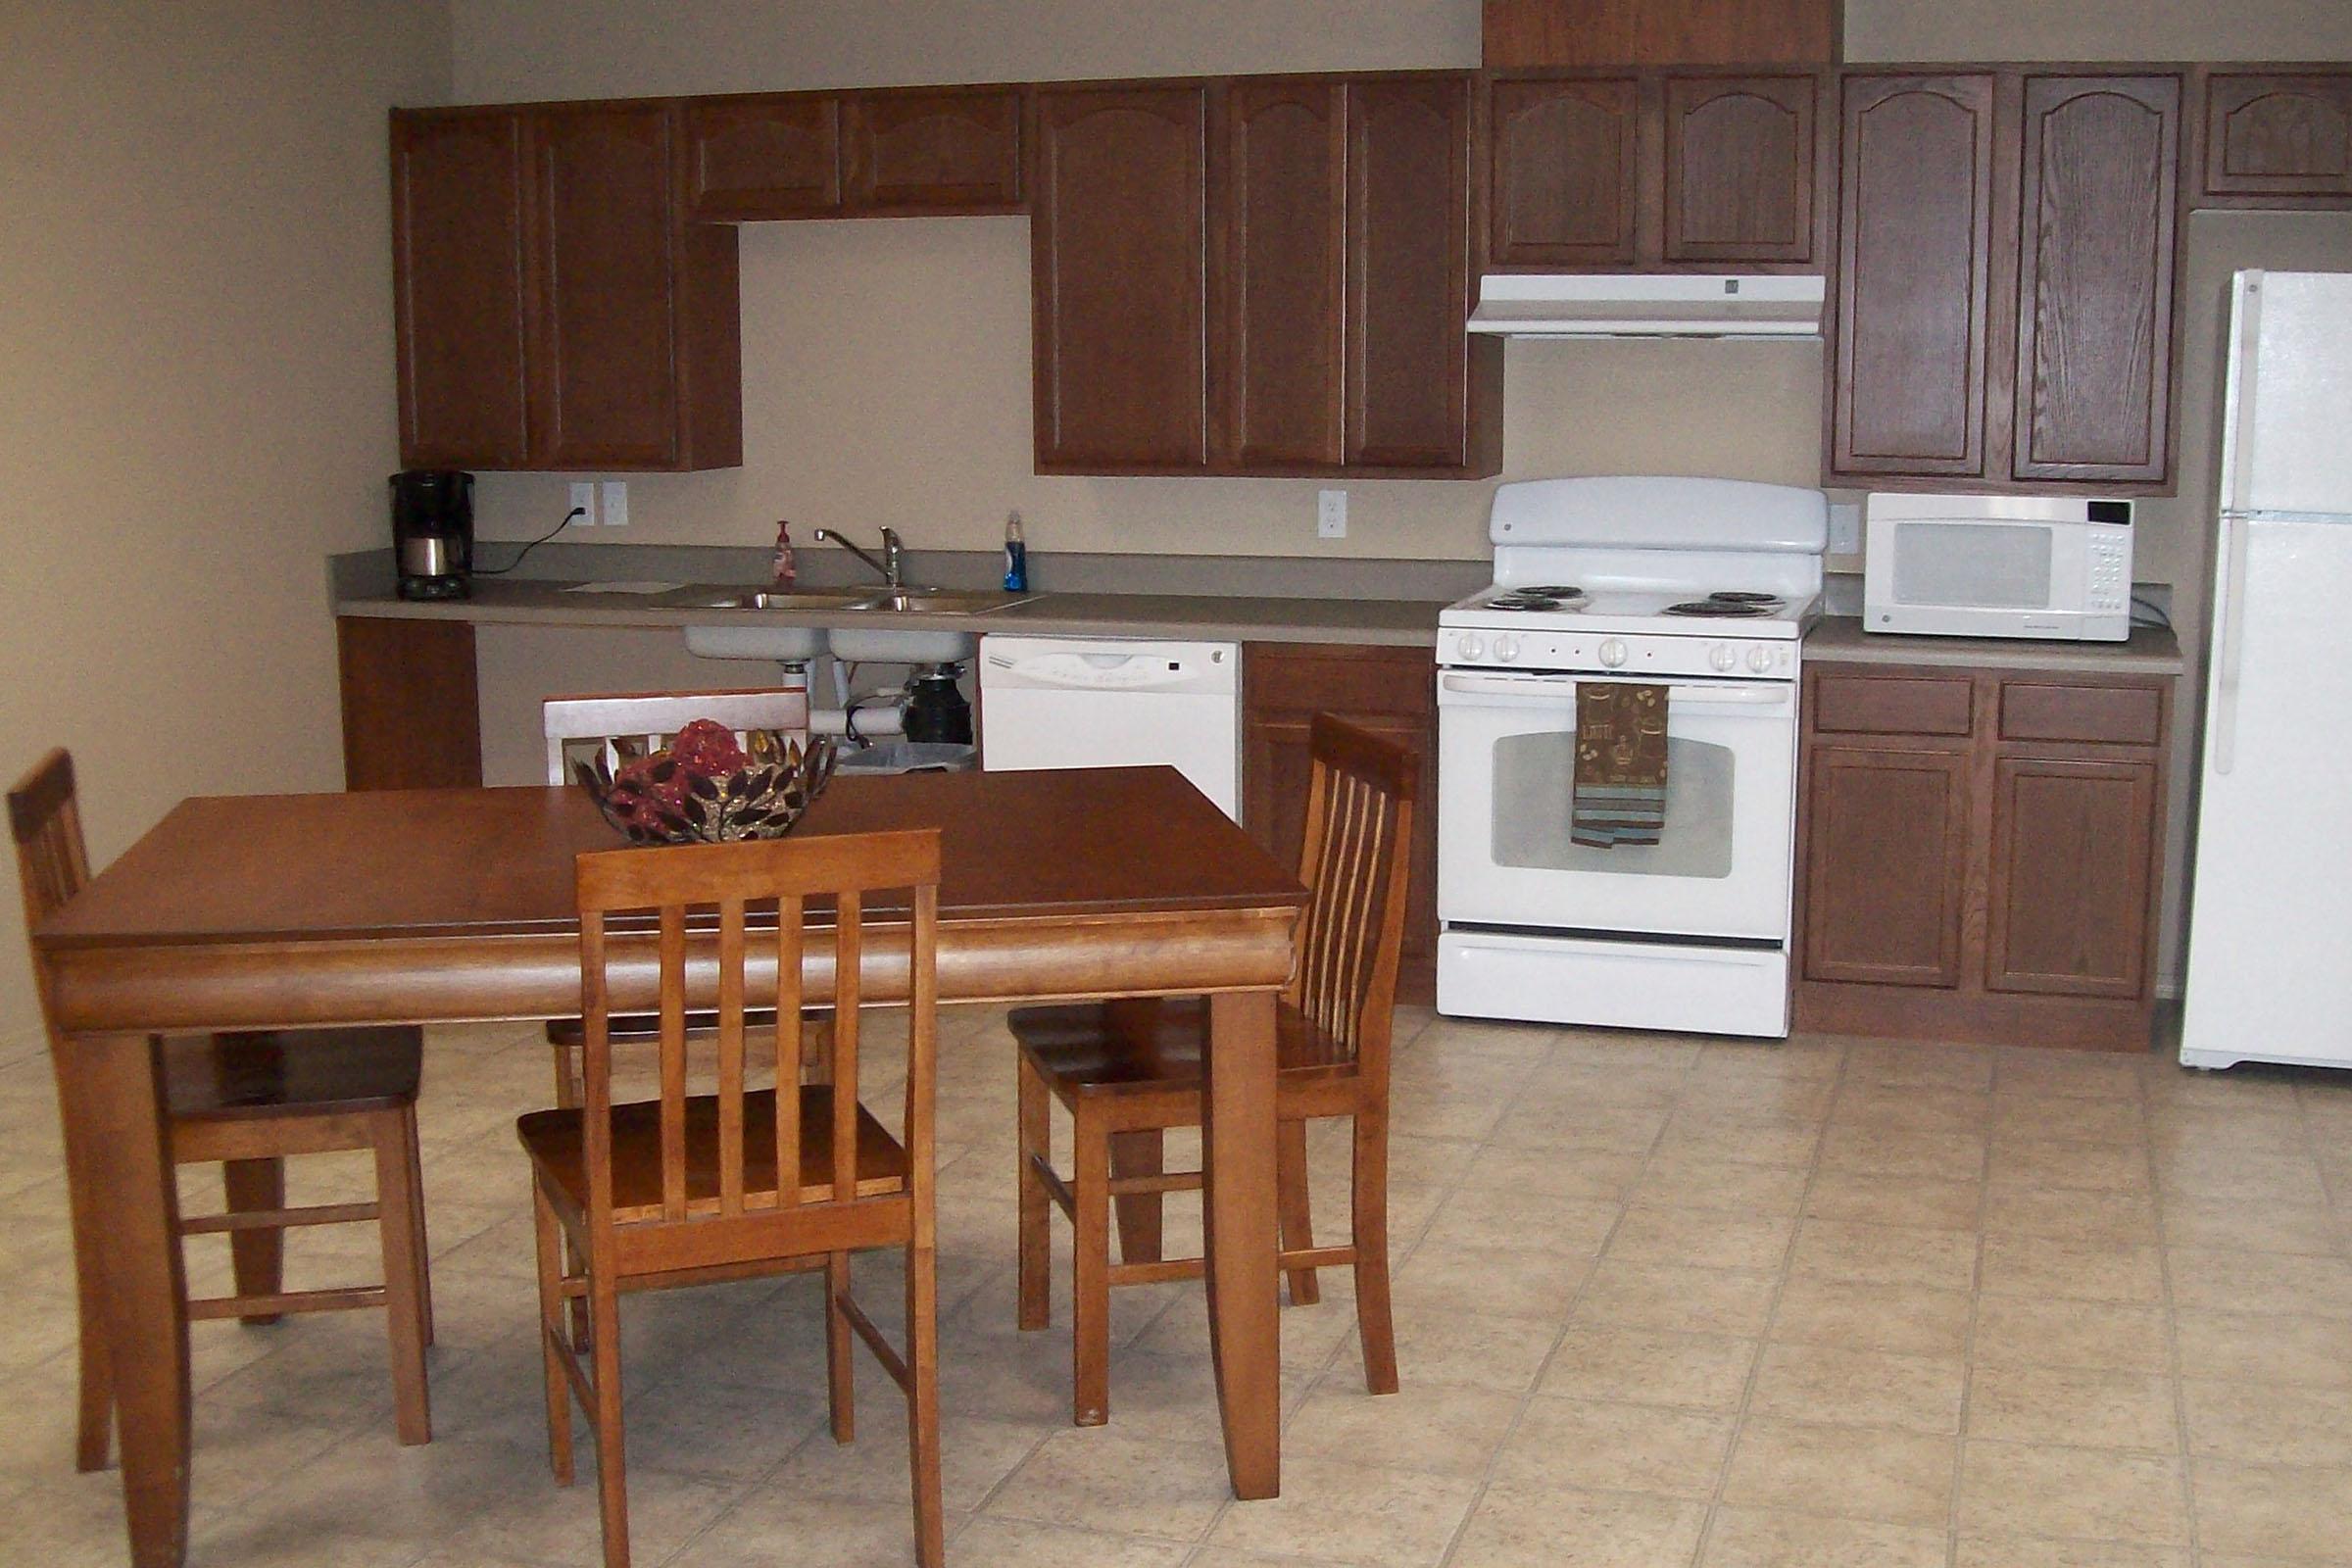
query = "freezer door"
x=2269 y=953
x=2290 y=394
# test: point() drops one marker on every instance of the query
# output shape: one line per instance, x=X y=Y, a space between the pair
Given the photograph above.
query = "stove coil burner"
x=1564 y=594
x=1526 y=599
x=1745 y=596
x=1727 y=606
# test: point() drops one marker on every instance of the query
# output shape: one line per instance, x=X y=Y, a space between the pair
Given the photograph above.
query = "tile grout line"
x=1976 y=1311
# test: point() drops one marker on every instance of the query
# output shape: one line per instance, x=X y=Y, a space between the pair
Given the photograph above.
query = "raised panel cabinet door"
x=1563 y=165
x=2073 y=847
x=773 y=156
x=1915 y=247
x=2273 y=134
x=457 y=288
x=606 y=355
x=1407 y=377
x=2101 y=174
x=1119 y=269
x=922 y=151
x=1885 y=865
x=1286 y=233
x=1741 y=168
x=411 y=718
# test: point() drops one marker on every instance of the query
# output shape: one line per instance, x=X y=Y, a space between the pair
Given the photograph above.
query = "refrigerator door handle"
x=2228 y=639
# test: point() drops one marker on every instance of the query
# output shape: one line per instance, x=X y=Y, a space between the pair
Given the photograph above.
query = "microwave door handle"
x=2230 y=637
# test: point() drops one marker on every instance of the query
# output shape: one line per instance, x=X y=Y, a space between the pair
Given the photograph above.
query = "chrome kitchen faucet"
x=891 y=565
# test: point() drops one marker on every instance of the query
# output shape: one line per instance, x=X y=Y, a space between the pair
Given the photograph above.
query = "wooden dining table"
x=446 y=905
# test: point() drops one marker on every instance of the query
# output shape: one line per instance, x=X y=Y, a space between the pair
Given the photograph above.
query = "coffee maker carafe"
x=432 y=531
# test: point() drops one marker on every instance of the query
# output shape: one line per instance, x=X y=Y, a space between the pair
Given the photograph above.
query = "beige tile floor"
x=1661 y=1300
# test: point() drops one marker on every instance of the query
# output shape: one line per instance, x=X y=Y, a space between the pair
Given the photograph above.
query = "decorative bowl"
x=708 y=788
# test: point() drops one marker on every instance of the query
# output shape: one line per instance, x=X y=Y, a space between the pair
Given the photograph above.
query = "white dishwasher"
x=1115 y=702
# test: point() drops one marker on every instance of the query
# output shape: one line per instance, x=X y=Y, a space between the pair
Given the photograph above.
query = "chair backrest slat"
x=730 y=1056
x=46 y=817
x=1354 y=859
x=849 y=951
x=790 y=940
x=673 y=1061
x=646 y=720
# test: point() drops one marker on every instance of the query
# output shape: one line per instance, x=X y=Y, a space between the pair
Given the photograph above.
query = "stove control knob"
x=1613 y=653
x=1759 y=659
x=1473 y=645
x=1506 y=647
x=1722 y=658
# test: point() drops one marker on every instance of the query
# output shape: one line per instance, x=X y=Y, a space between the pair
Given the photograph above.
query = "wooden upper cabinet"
x=1562 y=171
x=922 y=150
x=1689 y=33
x=458 y=306
x=1118 y=266
x=1286 y=234
x=1409 y=377
x=556 y=310
x=772 y=156
x=1741 y=168
x=2280 y=137
x=1915 y=252
x=2098 y=199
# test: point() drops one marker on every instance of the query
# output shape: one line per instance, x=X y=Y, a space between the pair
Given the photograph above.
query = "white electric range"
x=1701 y=587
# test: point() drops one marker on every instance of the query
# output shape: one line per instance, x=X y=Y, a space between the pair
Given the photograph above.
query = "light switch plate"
x=583 y=501
x=1845 y=527
x=616 y=503
x=1331 y=514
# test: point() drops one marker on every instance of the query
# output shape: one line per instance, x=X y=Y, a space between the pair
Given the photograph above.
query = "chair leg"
x=816 y=1049
x=922 y=1402
x=425 y=1250
x=553 y=1328
x=1036 y=1140
x=1139 y=1154
x=1374 y=1324
x=1090 y=1275
x=1293 y=1206
x=567 y=1075
x=840 y=1374
x=398 y=1228
x=93 y=1427
x=611 y=1475
x=257 y=1257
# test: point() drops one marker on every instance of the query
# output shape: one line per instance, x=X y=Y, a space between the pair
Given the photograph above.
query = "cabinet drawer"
x=1891 y=705
x=2124 y=715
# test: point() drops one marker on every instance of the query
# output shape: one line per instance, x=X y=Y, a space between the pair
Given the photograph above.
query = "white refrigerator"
x=2270 y=939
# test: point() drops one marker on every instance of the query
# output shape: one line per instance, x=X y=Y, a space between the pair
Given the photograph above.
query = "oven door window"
x=1534 y=802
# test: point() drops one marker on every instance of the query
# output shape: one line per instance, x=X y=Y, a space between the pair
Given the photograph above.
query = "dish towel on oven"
x=1619 y=791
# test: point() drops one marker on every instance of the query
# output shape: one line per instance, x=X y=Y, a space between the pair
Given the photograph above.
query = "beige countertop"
x=1407 y=623
x=1840 y=640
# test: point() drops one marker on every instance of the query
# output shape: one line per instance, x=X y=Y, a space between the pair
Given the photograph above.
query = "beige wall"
x=196 y=365
x=2098 y=29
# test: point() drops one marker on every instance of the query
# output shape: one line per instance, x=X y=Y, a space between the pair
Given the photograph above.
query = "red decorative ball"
x=708 y=749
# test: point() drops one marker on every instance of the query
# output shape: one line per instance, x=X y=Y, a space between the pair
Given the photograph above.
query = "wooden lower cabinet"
x=1391 y=691
x=412 y=715
x=1992 y=881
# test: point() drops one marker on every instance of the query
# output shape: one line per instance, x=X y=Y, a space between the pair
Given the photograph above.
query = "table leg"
x=1244 y=1329
x=115 y=1094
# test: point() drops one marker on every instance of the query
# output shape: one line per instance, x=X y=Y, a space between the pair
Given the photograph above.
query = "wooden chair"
x=686 y=1188
x=249 y=1100
x=1127 y=1071
x=616 y=726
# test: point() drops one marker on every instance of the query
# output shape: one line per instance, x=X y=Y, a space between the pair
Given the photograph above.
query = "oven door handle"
x=1679 y=694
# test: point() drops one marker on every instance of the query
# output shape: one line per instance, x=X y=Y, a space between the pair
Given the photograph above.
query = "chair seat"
x=292 y=1072
x=1138 y=1047
x=554 y=1139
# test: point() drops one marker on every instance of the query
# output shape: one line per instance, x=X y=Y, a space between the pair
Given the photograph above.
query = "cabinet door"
x=411 y=718
x=761 y=158
x=457 y=288
x=1914 y=248
x=1740 y=168
x=2073 y=849
x=2273 y=134
x=1388 y=691
x=1285 y=196
x=2101 y=176
x=605 y=351
x=921 y=150
x=1563 y=172
x=1408 y=273
x=1117 y=259
x=1885 y=865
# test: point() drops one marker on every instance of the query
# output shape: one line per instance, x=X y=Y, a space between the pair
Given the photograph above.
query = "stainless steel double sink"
x=878 y=642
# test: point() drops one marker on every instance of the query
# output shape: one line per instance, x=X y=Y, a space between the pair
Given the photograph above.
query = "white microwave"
x=1998 y=566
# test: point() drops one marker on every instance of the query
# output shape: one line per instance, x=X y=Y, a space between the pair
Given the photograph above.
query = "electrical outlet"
x=1331 y=514
x=583 y=501
x=1845 y=527
x=616 y=503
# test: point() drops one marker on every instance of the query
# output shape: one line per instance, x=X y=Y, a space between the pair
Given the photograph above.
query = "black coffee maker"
x=432 y=532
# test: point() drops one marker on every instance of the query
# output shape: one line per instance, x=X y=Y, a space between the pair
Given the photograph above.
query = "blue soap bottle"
x=1017 y=556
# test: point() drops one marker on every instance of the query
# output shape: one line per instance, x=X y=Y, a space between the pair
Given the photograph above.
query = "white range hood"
x=1648 y=305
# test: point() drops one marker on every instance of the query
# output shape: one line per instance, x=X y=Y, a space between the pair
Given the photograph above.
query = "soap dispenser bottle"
x=1017 y=556
x=786 y=570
